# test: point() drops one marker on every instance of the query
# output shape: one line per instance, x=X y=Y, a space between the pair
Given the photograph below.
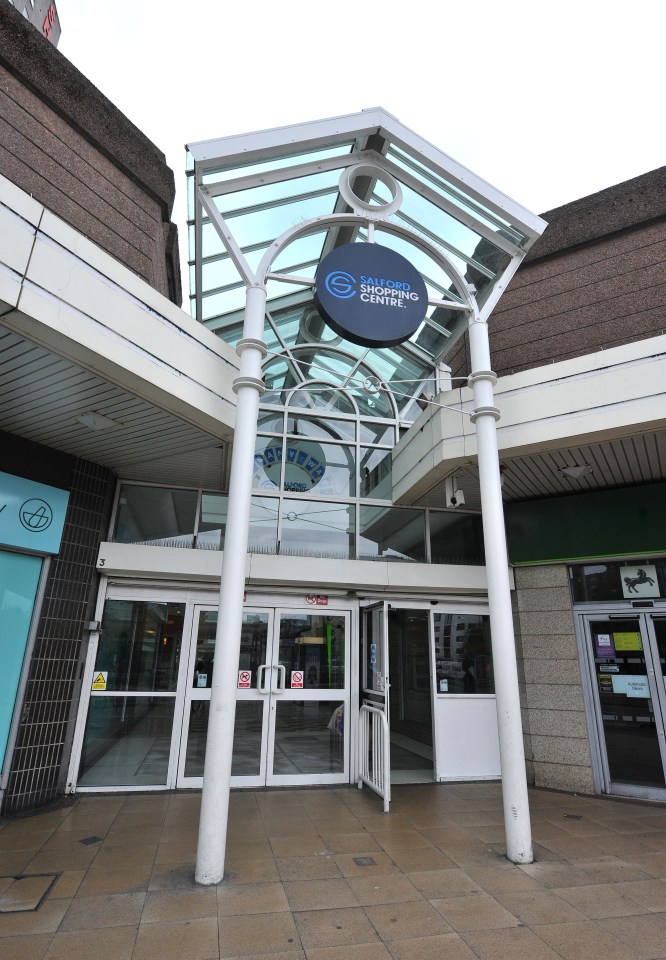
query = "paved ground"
x=322 y=874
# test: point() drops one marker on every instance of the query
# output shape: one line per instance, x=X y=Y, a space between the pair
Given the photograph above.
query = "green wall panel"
x=603 y=523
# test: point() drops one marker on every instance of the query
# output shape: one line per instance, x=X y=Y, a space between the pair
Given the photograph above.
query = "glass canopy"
x=264 y=184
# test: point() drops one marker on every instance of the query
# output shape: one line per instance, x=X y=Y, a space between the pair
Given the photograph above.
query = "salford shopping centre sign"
x=370 y=295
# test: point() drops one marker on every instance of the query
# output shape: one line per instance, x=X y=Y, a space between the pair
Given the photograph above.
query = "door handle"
x=281 y=673
x=261 y=679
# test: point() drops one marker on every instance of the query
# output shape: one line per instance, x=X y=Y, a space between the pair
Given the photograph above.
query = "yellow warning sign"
x=99 y=680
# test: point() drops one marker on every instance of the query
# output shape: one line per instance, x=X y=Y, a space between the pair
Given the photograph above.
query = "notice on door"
x=631 y=686
x=628 y=641
x=297 y=679
x=604 y=646
x=99 y=680
x=244 y=679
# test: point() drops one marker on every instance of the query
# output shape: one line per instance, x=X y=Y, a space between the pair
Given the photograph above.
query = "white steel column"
x=517 y=824
x=222 y=714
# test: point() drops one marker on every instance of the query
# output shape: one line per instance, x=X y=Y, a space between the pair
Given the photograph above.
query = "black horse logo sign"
x=633 y=582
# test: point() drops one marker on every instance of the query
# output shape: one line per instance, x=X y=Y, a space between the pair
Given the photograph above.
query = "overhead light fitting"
x=97 y=421
x=576 y=471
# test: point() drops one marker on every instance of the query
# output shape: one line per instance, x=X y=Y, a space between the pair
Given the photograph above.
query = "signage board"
x=370 y=295
x=32 y=515
x=640 y=581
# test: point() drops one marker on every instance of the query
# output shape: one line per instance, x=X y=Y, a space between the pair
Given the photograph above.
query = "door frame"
x=401 y=603
x=583 y=617
x=269 y=694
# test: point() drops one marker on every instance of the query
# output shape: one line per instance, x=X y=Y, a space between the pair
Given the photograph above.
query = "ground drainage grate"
x=25 y=894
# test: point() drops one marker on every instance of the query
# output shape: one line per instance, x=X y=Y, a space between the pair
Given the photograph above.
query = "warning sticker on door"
x=99 y=680
x=244 y=679
x=297 y=679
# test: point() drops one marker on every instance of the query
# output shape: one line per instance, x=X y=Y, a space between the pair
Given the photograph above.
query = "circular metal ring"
x=361 y=206
x=373 y=384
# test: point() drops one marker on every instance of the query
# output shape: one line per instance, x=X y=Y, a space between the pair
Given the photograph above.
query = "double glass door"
x=627 y=659
x=291 y=699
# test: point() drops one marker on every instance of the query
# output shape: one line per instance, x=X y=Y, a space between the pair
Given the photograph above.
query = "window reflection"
x=139 y=645
x=317 y=529
x=392 y=534
x=463 y=654
x=156 y=515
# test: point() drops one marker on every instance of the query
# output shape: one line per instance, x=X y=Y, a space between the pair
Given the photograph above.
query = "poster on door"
x=604 y=647
x=244 y=679
x=296 y=679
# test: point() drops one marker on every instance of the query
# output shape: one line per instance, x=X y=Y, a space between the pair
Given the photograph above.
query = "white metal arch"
x=249 y=386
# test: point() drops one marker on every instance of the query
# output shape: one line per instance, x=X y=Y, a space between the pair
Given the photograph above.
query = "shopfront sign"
x=370 y=295
x=32 y=515
x=640 y=581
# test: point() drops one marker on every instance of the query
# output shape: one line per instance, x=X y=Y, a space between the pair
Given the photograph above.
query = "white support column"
x=222 y=714
x=517 y=824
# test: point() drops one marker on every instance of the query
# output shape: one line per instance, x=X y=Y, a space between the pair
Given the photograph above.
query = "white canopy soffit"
x=247 y=192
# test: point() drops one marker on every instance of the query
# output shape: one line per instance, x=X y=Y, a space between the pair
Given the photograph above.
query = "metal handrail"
x=374 y=761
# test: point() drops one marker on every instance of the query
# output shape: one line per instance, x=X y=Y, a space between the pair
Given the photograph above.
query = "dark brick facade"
x=63 y=142
x=596 y=279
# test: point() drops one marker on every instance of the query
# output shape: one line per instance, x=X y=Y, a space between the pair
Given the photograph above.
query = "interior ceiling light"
x=97 y=421
x=576 y=471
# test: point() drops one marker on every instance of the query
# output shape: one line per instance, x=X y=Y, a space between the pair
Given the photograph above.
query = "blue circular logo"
x=36 y=515
x=340 y=284
x=370 y=295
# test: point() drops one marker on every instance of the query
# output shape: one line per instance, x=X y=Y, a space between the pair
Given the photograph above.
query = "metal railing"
x=374 y=762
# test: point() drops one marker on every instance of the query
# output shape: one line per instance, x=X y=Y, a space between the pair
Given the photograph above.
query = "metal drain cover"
x=25 y=894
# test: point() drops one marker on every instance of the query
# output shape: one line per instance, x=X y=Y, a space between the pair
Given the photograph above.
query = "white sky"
x=547 y=101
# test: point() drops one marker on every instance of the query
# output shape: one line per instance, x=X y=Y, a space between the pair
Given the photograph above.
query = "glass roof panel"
x=266 y=183
x=451 y=193
x=252 y=198
x=264 y=225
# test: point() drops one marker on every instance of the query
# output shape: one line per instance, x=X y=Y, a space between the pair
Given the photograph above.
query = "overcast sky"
x=547 y=101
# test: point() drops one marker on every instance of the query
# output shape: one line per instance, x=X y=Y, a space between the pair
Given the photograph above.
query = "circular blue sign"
x=370 y=295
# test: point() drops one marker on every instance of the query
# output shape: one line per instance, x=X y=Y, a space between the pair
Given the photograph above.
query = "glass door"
x=248 y=766
x=627 y=655
x=410 y=695
x=130 y=731
x=309 y=702
x=291 y=699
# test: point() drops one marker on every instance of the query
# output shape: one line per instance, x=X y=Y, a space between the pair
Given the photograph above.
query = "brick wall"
x=596 y=279
x=64 y=143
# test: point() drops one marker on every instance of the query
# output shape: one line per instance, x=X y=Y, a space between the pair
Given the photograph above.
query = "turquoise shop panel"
x=19 y=578
x=32 y=515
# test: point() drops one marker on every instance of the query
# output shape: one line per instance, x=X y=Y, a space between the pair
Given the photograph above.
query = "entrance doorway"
x=410 y=695
x=626 y=655
x=291 y=700
x=397 y=682
x=150 y=674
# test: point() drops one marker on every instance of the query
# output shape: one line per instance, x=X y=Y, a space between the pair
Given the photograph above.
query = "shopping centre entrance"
x=307 y=666
x=150 y=688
